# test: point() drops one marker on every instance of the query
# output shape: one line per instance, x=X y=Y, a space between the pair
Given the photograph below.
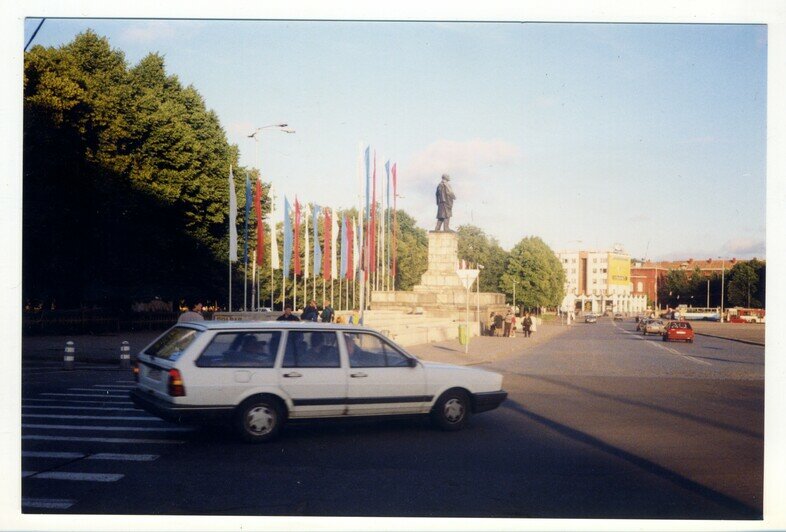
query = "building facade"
x=599 y=281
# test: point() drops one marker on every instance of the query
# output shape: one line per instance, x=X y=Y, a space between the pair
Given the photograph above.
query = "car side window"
x=371 y=351
x=241 y=350
x=311 y=349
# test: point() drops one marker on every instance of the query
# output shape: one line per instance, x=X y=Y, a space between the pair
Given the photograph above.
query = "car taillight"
x=135 y=369
x=176 y=388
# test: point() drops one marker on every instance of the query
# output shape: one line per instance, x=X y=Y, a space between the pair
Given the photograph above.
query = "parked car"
x=590 y=318
x=618 y=316
x=641 y=323
x=653 y=327
x=258 y=375
x=678 y=330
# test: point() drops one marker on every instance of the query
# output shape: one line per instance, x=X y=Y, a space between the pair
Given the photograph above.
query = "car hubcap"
x=260 y=420
x=454 y=410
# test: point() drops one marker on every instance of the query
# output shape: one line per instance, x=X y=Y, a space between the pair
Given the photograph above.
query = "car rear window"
x=173 y=343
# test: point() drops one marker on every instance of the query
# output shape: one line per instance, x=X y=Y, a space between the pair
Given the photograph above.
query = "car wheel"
x=451 y=410
x=258 y=420
x=665 y=338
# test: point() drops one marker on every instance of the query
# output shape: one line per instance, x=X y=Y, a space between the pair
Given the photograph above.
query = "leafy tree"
x=537 y=272
x=675 y=288
x=412 y=252
x=743 y=285
x=476 y=247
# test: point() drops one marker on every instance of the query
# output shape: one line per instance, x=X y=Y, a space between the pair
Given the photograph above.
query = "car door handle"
x=358 y=375
x=293 y=374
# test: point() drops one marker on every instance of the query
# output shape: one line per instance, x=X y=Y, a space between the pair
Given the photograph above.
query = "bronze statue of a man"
x=445 y=197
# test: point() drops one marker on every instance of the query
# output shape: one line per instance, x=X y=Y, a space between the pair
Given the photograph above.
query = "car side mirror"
x=412 y=362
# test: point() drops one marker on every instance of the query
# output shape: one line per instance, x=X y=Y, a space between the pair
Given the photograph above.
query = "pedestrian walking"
x=498 y=324
x=508 y=323
x=526 y=325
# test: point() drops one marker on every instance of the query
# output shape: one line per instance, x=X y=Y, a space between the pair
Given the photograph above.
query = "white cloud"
x=464 y=159
x=745 y=247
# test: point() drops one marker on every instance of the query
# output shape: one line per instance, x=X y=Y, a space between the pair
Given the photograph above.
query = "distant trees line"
x=125 y=193
x=744 y=287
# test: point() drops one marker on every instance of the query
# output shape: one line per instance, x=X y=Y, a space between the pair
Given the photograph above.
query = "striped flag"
x=287 y=237
x=245 y=222
x=275 y=263
x=260 y=223
x=317 y=251
x=333 y=245
x=232 y=218
x=326 y=269
x=297 y=237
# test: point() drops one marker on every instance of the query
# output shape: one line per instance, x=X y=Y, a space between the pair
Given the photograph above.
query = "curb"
x=749 y=342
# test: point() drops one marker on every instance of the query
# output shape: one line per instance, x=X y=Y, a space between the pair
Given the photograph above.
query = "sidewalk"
x=484 y=349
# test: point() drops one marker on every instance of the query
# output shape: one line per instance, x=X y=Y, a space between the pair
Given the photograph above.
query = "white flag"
x=274 y=260
x=232 y=218
x=355 y=255
x=333 y=235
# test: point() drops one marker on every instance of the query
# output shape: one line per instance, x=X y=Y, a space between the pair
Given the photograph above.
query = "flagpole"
x=230 y=286
x=283 y=290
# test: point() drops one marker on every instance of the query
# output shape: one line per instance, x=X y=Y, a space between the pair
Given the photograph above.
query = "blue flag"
x=317 y=250
x=287 y=237
x=245 y=225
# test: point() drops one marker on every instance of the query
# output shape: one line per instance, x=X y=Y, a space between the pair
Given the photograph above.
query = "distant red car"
x=678 y=330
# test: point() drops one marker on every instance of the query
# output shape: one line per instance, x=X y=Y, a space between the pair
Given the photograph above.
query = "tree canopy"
x=536 y=272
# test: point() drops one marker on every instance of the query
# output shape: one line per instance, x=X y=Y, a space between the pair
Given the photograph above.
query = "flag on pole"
x=333 y=245
x=260 y=253
x=275 y=264
x=349 y=270
x=232 y=218
x=355 y=254
x=372 y=227
x=297 y=237
x=364 y=241
x=305 y=247
x=287 y=237
x=387 y=218
x=344 y=250
x=245 y=222
x=327 y=227
x=317 y=251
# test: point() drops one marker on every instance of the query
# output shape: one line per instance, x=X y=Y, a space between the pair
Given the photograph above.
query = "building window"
x=640 y=287
x=594 y=281
x=603 y=270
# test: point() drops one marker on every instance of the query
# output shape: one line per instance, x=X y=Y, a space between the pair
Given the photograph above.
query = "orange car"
x=678 y=330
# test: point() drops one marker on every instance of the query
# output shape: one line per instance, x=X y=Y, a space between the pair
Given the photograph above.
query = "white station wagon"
x=257 y=375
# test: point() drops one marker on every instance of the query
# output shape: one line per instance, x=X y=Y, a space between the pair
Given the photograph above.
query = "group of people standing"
x=312 y=313
x=506 y=325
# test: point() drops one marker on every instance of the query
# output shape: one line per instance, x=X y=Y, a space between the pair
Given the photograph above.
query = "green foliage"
x=125 y=180
x=476 y=247
x=743 y=286
x=412 y=252
x=537 y=273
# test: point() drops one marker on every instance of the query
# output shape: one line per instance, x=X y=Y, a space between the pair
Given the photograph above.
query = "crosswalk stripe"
x=81 y=401
x=60 y=416
x=80 y=408
x=89 y=477
x=43 y=454
x=101 y=396
x=102 y=427
x=126 y=457
x=99 y=440
x=56 y=504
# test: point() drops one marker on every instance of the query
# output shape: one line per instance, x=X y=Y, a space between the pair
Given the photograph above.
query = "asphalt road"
x=600 y=423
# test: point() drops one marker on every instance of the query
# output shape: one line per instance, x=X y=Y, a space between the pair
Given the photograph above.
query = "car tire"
x=258 y=419
x=451 y=411
x=665 y=338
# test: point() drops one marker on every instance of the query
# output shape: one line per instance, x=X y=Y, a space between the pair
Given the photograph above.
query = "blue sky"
x=586 y=135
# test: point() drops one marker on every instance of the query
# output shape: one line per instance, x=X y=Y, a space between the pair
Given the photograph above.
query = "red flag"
x=372 y=231
x=297 y=237
x=260 y=223
x=326 y=255
x=349 y=252
x=395 y=222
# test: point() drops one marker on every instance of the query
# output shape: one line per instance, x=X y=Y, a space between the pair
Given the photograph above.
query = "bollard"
x=125 y=355
x=68 y=356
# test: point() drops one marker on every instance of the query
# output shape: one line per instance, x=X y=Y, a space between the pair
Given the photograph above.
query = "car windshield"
x=173 y=343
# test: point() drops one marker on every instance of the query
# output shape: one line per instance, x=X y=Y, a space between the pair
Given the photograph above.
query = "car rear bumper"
x=485 y=401
x=178 y=413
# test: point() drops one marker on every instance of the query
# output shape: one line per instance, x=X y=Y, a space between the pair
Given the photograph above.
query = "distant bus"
x=746 y=315
x=699 y=313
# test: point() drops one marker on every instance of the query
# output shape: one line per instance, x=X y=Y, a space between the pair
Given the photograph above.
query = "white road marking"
x=126 y=457
x=132 y=418
x=58 y=401
x=56 y=504
x=101 y=427
x=665 y=348
x=100 y=396
x=89 y=477
x=80 y=408
x=42 y=454
x=100 y=440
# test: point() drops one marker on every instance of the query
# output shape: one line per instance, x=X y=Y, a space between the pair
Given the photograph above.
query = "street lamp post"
x=284 y=128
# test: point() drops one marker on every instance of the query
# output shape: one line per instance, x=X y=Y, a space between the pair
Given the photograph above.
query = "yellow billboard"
x=619 y=269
